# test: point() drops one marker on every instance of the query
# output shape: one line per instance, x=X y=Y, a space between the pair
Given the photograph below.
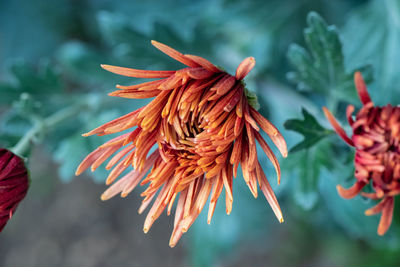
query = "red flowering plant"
x=376 y=138
x=321 y=73
x=13 y=184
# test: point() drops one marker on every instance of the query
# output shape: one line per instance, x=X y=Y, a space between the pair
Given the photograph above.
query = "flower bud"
x=13 y=184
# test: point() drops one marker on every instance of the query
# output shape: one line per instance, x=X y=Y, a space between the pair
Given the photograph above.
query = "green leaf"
x=309 y=127
x=305 y=169
x=12 y=127
x=81 y=63
x=40 y=82
x=320 y=67
x=372 y=36
x=46 y=79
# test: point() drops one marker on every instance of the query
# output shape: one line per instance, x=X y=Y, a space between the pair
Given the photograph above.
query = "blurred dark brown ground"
x=68 y=225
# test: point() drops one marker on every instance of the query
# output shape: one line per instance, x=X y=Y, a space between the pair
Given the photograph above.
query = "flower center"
x=199 y=130
x=377 y=139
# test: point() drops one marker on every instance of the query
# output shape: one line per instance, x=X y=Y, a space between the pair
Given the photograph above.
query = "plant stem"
x=43 y=125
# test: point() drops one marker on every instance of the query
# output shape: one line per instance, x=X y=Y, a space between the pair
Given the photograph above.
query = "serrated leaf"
x=372 y=36
x=12 y=127
x=82 y=63
x=309 y=127
x=8 y=94
x=306 y=169
x=45 y=80
x=320 y=67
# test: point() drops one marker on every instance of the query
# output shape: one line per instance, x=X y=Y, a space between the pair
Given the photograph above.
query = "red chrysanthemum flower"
x=376 y=137
x=203 y=127
x=13 y=184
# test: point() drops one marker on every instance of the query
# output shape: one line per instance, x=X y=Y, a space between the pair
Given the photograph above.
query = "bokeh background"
x=50 y=52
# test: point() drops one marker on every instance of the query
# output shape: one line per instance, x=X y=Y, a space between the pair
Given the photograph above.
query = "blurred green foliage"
x=322 y=70
x=309 y=128
x=50 y=55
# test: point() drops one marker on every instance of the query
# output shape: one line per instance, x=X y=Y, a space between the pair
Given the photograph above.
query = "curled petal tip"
x=350 y=192
x=79 y=170
x=336 y=126
x=281 y=220
x=174 y=54
x=104 y=197
x=361 y=88
x=245 y=67
x=342 y=192
x=368 y=213
x=281 y=144
x=283 y=150
x=386 y=217
x=145 y=230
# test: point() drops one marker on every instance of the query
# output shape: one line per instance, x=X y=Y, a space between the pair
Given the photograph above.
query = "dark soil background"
x=68 y=225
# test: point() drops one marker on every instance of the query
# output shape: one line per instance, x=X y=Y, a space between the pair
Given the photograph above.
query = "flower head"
x=13 y=184
x=376 y=137
x=202 y=127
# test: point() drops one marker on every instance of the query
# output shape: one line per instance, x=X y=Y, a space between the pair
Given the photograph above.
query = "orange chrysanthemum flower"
x=202 y=126
x=376 y=137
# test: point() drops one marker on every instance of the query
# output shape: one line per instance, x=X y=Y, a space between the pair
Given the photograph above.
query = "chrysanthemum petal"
x=147 y=86
x=175 y=54
x=271 y=130
x=387 y=216
x=361 y=88
x=270 y=196
x=137 y=73
x=349 y=113
x=203 y=127
x=245 y=67
x=117 y=187
x=377 y=208
x=337 y=127
x=224 y=85
x=269 y=154
x=203 y=62
x=134 y=93
x=352 y=191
